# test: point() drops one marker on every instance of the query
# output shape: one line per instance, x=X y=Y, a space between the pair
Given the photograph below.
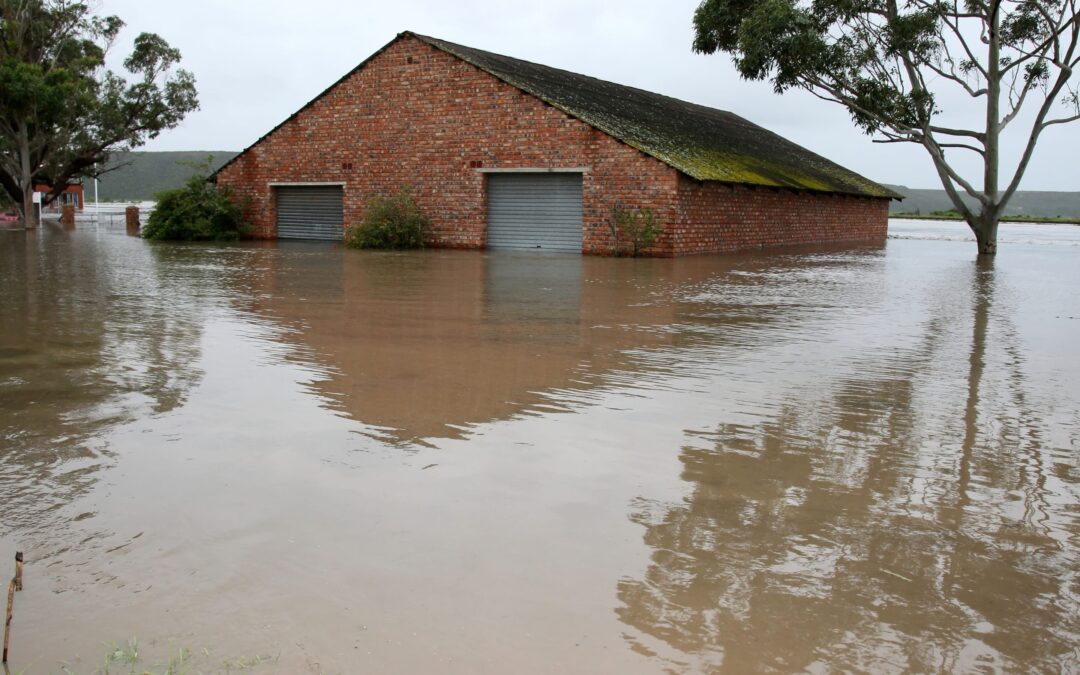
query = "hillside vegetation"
x=138 y=176
x=1031 y=203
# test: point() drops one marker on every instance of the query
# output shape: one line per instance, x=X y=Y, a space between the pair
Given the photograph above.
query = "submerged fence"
x=112 y=216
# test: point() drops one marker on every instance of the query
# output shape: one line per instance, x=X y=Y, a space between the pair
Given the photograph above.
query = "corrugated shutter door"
x=309 y=212
x=534 y=211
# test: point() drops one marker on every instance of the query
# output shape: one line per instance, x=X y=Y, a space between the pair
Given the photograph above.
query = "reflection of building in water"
x=424 y=344
x=869 y=523
x=530 y=289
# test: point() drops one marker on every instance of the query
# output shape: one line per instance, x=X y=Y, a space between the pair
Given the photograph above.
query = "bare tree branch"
x=1029 y=84
x=1062 y=120
x=952 y=76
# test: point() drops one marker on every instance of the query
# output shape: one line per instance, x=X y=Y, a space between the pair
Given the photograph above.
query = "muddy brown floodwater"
x=293 y=458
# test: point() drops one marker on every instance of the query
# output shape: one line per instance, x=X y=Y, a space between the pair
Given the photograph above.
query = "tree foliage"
x=390 y=222
x=62 y=113
x=891 y=62
x=198 y=211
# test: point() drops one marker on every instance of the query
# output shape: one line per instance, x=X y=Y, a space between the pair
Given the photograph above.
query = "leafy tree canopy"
x=889 y=62
x=62 y=113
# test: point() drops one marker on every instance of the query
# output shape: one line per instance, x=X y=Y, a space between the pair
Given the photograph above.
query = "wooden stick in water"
x=7 y=622
x=15 y=585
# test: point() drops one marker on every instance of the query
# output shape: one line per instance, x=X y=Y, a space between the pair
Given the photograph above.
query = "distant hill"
x=1023 y=203
x=141 y=175
x=137 y=176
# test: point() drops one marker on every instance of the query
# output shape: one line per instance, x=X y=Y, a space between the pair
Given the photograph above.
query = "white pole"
x=96 y=207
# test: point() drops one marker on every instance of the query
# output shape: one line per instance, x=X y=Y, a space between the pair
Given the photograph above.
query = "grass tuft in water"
x=121 y=659
x=125 y=654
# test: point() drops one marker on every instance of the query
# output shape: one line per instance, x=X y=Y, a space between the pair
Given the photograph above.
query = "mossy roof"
x=704 y=143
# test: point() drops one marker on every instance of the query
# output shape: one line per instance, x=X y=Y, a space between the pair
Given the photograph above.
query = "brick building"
x=503 y=153
x=72 y=194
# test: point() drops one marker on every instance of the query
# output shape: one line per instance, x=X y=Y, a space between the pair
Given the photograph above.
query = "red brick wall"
x=715 y=218
x=417 y=116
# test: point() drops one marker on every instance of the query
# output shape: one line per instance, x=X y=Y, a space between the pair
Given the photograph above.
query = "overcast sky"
x=256 y=62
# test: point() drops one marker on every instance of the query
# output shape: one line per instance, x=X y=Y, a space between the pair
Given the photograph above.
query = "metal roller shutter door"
x=534 y=211
x=309 y=212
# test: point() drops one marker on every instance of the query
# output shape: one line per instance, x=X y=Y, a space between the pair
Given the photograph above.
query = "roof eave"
x=794 y=188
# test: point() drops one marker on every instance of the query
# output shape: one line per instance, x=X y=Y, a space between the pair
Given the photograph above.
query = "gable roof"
x=704 y=143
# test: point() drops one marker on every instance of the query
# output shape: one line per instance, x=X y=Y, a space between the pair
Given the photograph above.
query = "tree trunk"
x=30 y=216
x=26 y=180
x=986 y=235
x=992 y=144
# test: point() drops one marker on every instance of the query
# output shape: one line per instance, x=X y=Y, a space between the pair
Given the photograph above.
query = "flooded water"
x=292 y=458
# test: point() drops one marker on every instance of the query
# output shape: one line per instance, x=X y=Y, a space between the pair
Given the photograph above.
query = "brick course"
x=416 y=116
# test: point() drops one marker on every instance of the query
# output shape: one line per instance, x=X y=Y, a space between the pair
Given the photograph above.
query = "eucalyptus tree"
x=62 y=113
x=892 y=62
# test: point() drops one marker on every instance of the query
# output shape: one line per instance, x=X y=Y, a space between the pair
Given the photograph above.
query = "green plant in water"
x=389 y=222
x=123 y=654
x=198 y=211
x=639 y=228
x=124 y=659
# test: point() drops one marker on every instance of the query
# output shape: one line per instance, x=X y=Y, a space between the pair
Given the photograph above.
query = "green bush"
x=390 y=222
x=638 y=227
x=199 y=211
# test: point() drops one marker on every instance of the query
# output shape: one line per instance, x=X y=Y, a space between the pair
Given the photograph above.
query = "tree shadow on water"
x=899 y=516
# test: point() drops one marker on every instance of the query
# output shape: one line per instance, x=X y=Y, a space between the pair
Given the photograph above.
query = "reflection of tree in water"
x=890 y=519
x=96 y=331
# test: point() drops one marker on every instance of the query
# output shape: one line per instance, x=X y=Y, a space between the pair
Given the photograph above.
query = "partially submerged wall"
x=717 y=218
